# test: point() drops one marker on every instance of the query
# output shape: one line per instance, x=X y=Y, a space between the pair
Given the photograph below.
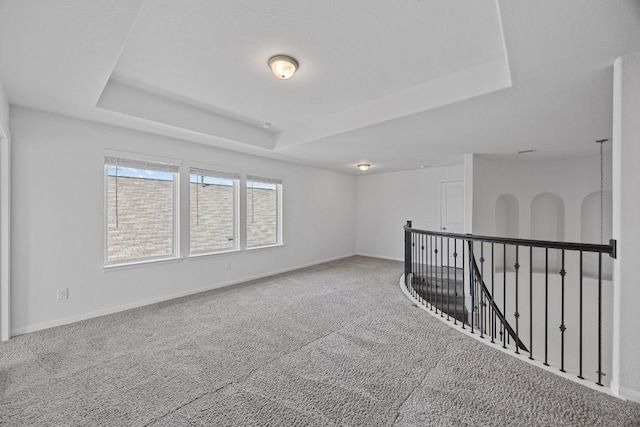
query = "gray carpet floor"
x=334 y=344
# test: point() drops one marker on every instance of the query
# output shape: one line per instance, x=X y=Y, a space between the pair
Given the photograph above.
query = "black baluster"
x=531 y=302
x=546 y=305
x=414 y=278
x=516 y=314
x=427 y=279
x=410 y=258
x=599 y=319
x=407 y=254
x=563 y=327
x=493 y=295
x=419 y=255
x=455 y=280
x=425 y=257
x=435 y=290
x=463 y=276
x=580 y=326
x=432 y=281
x=418 y=276
x=480 y=293
x=427 y=269
x=472 y=285
x=448 y=278
x=441 y=276
x=423 y=279
x=420 y=269
x=415 y=263
x=504 y=293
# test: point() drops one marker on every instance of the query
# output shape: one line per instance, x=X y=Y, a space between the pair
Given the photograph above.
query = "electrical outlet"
x=63 y=293
x=227 y=265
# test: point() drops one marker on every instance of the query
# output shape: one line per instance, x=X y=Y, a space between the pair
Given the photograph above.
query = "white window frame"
x=152 y=160
x=266 y=178
x=216 y=172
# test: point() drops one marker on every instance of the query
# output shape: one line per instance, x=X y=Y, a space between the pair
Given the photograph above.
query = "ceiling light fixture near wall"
x=364 y=166
x=283 y=66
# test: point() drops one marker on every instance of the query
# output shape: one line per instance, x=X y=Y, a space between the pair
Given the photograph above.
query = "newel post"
x=407 y=252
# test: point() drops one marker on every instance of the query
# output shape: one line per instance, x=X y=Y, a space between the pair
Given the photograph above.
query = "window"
x=264 y=216
x=141 y=210
x=213 y=211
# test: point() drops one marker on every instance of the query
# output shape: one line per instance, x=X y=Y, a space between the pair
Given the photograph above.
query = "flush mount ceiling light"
x=364 y=166
x=283 y=66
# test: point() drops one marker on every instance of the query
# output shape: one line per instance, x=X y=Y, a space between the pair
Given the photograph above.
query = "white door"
x=452 y=218
x=452 y=206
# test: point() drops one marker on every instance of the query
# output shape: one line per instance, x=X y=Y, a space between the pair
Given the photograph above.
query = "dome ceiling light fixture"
x=364 y=166
x=283 y=66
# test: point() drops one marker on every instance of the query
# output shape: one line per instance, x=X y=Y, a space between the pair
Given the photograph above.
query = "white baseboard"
x=380 y=256
x=111 y=310
x=615 y=388
x=625 y=393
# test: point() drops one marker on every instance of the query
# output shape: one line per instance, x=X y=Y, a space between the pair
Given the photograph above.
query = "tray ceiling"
x=397 y=84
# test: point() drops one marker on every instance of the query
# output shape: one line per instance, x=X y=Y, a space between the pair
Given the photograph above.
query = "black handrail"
x=609 y=249
x=426 y=264
x=489 y=297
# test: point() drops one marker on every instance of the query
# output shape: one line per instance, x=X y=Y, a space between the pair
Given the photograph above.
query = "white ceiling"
x=397 y=84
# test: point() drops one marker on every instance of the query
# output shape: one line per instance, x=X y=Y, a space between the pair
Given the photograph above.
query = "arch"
x=590 y=229
x=547 y=223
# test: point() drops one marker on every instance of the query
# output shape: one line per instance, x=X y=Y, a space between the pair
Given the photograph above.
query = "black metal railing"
x=486 y=302
x=479 y=282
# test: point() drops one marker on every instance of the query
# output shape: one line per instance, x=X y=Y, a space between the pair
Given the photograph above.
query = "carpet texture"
x=334 y=344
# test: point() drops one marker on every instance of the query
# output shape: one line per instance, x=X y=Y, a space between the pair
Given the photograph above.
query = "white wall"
x=386 y=201
x=572 y=179
x=5 y=200
x=626 y=228
x=58 y=221
x=4 y=108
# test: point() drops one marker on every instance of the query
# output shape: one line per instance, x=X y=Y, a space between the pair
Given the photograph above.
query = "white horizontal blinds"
x=213 y=173
x=252 y=180
x=200 y=180
x=262 y=210
x=122 y=162
x=255 y=178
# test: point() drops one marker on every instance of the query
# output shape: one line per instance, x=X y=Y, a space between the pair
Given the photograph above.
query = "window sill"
x=134 y=264
x=193 y=257
x=277 y=245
